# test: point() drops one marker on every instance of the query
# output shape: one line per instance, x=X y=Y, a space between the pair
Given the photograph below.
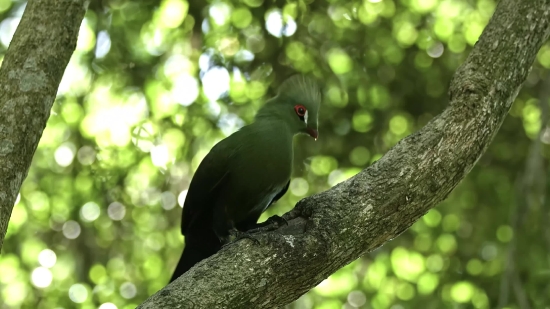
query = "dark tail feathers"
x=193 y=253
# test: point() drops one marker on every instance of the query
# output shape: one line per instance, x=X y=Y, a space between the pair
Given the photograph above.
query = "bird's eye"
x=300 y=110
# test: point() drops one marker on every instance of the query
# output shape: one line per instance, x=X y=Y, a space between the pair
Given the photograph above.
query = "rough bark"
x=331 y=229
x=29 y=77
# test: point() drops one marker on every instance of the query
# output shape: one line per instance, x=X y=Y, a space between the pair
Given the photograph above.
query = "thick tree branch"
x=333 y=228
x=29 y=77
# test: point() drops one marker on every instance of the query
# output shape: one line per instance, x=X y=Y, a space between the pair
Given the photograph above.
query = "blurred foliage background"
x=154 y=84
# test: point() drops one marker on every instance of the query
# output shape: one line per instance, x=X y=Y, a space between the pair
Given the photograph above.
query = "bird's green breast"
x=261 y=167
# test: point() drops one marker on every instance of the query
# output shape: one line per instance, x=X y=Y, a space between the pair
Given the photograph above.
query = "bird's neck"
x=274 y=117
x=271 y=137
x=270 y=111
x=272 y=124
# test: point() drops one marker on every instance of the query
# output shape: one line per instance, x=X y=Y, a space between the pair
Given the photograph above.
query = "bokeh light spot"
x=185 y=89
x=41 y=277
x=71 y=229
x=98 y=274
x=103 y=44
x=434 y=263
x=168 y=200
x=405 y=291
x=4 y=5
x=215 y=82
x=489 y=252
x=160 y=155
x=64 y=154
x=47 y=258
x=90 y=212
x=220 y=13
x=474 y=267
x=505 y=233
x=128 y=290
x=116 y=211
x=9 y=267
x=78 y=293
x=362 y=121
x=86 y=155
x=446 y=243
x=14 y=293
x=359 y=156
x=241 y=17
x=339 y=61
x=108 y=306
x=436 y=50
x=427 y=283
x=274 y=22
x=173 y=12
x=432 y=218
x=398 y=125
x=462 y=292
x=357 y=299
x=407 y=265
x=299 y=186
x=323 y=165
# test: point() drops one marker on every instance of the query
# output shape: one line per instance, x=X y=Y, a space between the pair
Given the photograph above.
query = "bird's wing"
x=211 y=175
x=279 y=195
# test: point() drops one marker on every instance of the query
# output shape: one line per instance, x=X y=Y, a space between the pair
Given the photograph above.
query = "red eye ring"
x=300 y=110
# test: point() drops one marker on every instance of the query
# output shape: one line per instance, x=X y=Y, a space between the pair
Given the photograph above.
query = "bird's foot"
x=277 y=220
x=271 y=223
x=236 y=235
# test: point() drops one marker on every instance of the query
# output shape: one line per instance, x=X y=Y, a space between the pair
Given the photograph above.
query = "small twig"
x=545 y=118
x=519 y=291
x=504 y=294
x=529 y=187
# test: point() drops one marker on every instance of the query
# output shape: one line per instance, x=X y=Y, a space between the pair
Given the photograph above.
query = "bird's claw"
x=271 y=224
x=236 y=235
x=277 y=220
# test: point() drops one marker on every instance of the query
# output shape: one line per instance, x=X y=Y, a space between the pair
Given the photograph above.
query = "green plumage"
x=245 y=173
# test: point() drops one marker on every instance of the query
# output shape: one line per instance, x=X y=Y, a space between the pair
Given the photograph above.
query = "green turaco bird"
x=246 y=172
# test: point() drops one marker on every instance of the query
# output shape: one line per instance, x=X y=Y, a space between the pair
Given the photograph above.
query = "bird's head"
x=297 y=103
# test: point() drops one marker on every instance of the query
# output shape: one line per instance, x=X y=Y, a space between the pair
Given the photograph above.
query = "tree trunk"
x=29 y=77
x=331 y=229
